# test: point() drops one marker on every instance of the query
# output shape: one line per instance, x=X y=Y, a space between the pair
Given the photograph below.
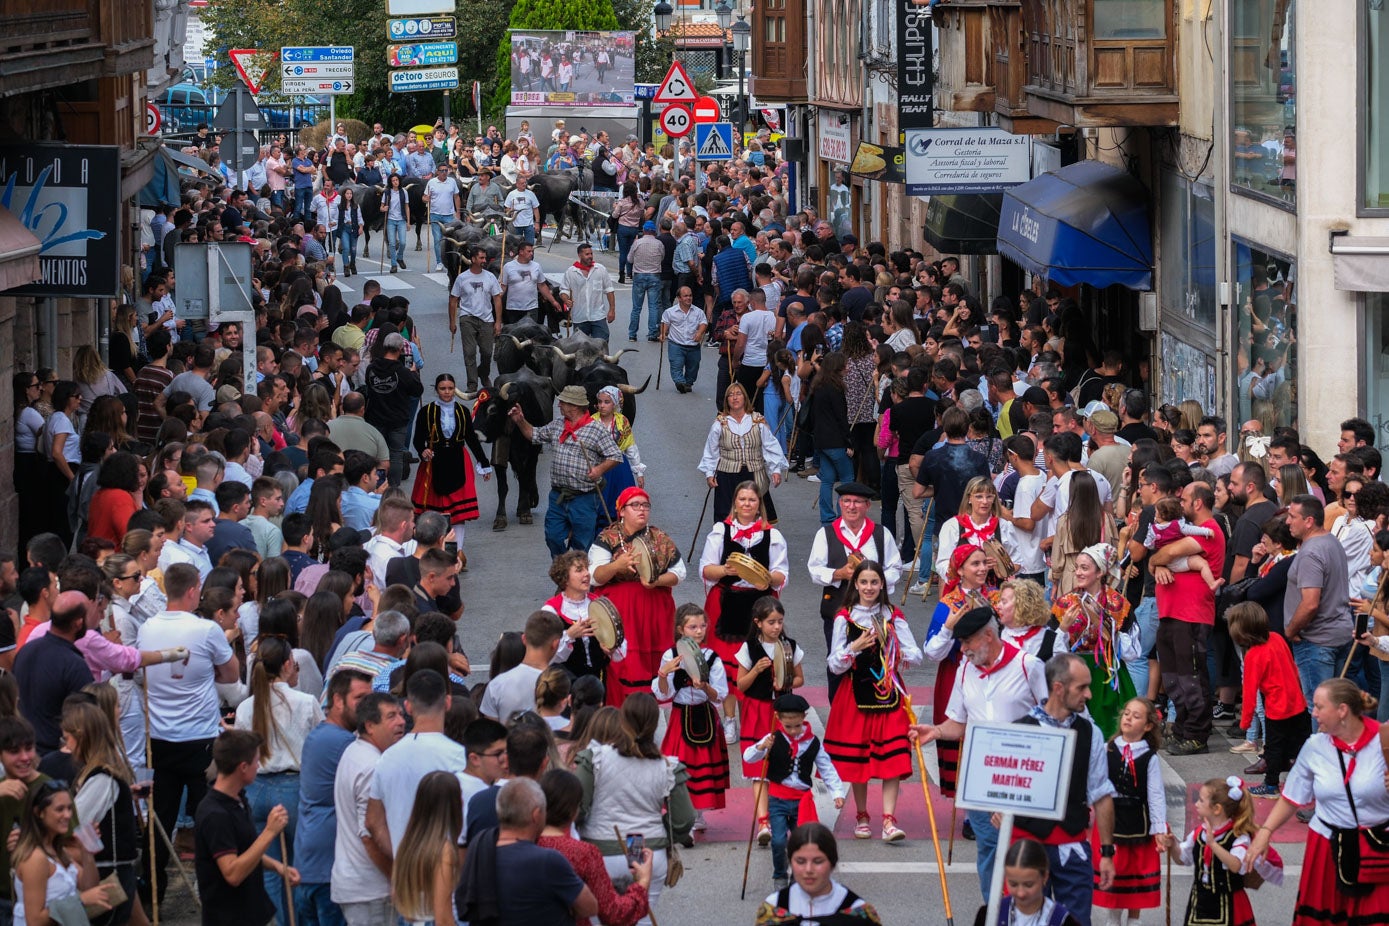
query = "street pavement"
x=506 y=581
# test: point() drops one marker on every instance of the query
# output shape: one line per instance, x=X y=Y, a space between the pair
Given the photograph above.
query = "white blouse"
x=572 y=612
x=296 y=714
x=841 y=658
x=771 y=447
x=1317 y=776
x=712 y=555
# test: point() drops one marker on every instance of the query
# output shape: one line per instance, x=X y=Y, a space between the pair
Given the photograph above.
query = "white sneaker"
x=812 y=478
x=699 y=824
x=730 y=730
x=438 y=268
x=919 y=588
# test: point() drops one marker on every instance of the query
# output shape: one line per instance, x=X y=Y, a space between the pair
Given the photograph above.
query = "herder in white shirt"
x=589 y=294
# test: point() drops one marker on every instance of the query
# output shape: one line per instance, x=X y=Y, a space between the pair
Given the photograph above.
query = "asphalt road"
x=507 y=580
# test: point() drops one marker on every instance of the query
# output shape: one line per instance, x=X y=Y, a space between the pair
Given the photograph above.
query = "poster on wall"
x=1187 y=373
x=69 y=197
x=879 y=162
x=573 y=68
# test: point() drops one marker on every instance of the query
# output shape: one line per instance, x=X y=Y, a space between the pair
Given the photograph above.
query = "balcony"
x=779 y=51
x=966 y=80
x=1009 y=51
x=1101 y=62
x=51 y=43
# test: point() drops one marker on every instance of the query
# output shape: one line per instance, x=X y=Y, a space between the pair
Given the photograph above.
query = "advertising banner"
x=573 y=68
x=979 y=160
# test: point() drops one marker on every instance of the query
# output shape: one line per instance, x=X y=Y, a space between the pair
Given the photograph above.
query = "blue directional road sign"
x=645 y=91
x=714 y=141
x=297 y=53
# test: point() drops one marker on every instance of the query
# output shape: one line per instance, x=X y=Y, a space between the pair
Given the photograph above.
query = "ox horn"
x=567 y=358
x=633 y=390
x=503 y=392
x=614 y=358
x=521 y=345
x=468 y=396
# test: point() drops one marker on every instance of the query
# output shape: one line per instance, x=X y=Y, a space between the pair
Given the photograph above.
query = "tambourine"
x=749 y=570
x=642 y=559
x=607 y=623
x=692 y=660
x=1003 y=563
x=853 y=559
x=783 y=665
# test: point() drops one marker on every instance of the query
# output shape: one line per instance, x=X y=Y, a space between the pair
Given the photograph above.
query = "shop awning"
x=19 y=253
x=963 y=223
x=164 y=188
x=1360 y=265
x=1085 y=223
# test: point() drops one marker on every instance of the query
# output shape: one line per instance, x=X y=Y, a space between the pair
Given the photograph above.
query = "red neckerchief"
x=1031 y=632
x=745 y=533
x=1208 y=839
x=968 y=531
x=572 y=428
x=868 y=528
x=558 y=601
x=1010 y=652
x=582 y=269
x=806 y=736
x=1128 y=762
x=1352 y=749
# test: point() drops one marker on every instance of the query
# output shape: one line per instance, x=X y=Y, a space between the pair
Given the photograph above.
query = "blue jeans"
x=525 y=232
x=277 y=198
x=783 y=813
x=303 y=198
x=684 y=363
x=347 y=244
x=926 y=563
x=1147 y=617
x=835 y=466
x=985 y=846
x=313 y=906
x=1315 y=664
x=396 y=230
x=1072 y=885
x=570 y=525
x=646 y=287
x=437 y=220
x=778 y=414
x=594 y=329
x=263 y=794
x=625 y=236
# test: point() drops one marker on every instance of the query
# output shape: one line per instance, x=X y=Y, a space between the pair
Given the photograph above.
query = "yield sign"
x=706 y=109
x=676 y=87
x=253 y=65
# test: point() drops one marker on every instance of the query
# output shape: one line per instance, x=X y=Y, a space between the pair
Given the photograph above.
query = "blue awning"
x=1085 y=223
x=170 y=167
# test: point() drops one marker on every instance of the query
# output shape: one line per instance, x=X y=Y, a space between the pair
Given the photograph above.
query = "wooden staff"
x=930 y=811
x=950 y=852
x=752 y=830
x=1168 y=853
x=1379 y=597
x=920 y=542
x=289 y=891
x=699 y=523
x=660 y=362
x=149 y=761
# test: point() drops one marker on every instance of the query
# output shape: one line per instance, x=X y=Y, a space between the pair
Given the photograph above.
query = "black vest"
x=586 y=657
x=865 y=675
x=735 y=606
x=781 y=765
x=1213 y=886
x=841 y=917
x=832 y=596
x=1131 y=820
x=1077 y=818
x=761 y=688
x=120 y=839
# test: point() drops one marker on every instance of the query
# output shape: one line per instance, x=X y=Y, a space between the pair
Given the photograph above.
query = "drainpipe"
x=1220 y=136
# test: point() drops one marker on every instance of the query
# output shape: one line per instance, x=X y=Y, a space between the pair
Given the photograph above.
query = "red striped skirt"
x=1319 y=901
x=756 y=721
x=947 y=751
x=1137 y=875
x=866 y=744
x=695 y=737
x=648 y=622
x=458 y=505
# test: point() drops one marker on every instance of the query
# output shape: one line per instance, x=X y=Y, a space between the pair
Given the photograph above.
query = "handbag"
x=1231 y=594
x=115 y=896
x=1360 y=855
x=675 y=868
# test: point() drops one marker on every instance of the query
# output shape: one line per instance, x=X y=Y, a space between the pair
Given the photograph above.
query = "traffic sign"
x=676 y=121
x=153 y=120
x=335 y=70
x=644 y=91
x=422 y=54
x=676 y=87
x=253 y=65
x=714 y=141
x=315 y=53
x=421 y=27
x=417 y=79
x=317 y=86
x=240 y=149
x=706 y=109
x=249 y=117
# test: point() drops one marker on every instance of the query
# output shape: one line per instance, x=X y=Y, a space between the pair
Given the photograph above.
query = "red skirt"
x=947 y=751
x=756 y=722
x=695 y=737
x=458 y=505
x=866 y=745
x=648 y=624
x=1137 y=875
x=1319 y=901
x=728 y=655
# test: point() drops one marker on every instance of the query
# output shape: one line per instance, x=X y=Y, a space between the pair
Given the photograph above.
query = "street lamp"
x=742 y=36
x=724 y=11
x=663 y=13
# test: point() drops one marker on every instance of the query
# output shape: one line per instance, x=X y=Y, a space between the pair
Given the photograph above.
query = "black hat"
x=854 y=488
x=1036 y=395
x=791 y=704
x=973 y=621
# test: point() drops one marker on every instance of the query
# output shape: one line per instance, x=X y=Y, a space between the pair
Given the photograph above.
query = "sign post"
x=212 y=285
x=1011 y=768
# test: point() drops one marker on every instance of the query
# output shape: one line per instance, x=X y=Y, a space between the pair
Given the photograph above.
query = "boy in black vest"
x=793 y=755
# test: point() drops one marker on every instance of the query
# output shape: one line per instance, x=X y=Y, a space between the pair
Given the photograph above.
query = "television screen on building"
x=571 y=68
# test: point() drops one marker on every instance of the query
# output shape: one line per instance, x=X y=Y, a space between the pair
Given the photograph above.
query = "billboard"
x=572 y=68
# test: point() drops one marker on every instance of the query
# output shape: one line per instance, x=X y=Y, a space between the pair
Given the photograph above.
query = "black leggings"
x=1283 y=740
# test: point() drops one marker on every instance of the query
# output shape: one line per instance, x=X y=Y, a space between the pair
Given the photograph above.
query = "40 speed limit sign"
x=676 y=120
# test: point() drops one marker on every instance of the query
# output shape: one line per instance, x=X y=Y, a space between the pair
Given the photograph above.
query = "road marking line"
x=1290 y=872
x=388 y=282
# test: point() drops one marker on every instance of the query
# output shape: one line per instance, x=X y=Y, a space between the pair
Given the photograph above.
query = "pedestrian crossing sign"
x=714 y=141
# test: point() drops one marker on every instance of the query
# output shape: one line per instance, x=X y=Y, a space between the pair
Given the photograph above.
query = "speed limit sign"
x=152 y=119
x=676 y=120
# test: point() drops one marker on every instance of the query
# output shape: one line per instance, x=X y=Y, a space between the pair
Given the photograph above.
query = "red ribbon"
x=1128 y=763
x=746 y=533
x=1352 y=749
x=968 y=531
x=1208 y=839
x=572 y=428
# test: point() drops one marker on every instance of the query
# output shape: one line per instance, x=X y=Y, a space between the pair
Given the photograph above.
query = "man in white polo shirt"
x=475 y=305
x=184 y=710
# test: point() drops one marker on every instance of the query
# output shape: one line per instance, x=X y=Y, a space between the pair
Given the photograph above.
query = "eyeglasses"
x=494 y=754
x=128 y=578
x=643 y=506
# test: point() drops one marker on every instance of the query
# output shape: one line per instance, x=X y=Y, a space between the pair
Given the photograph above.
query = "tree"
x=581 y=15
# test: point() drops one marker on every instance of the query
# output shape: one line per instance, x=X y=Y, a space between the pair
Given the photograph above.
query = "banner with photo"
x=572 y=68
x=879 y=162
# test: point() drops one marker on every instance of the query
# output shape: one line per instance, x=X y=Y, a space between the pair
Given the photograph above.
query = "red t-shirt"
x=1269 y=670
x=109 y=514
x=1188 y=598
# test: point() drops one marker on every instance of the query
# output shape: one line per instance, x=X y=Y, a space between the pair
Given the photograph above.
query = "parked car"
x=184 y=106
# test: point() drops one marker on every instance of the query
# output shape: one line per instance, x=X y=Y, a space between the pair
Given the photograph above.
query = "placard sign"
x=983 y=160
x=1016 y=768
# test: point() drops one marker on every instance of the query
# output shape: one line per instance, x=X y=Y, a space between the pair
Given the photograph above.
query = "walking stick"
x=1168 y=853
x=660 y=363
x=916 y=557
x=699 y=523
x=289 y=891
x=950 y=852
x=149 y=761
x=178 y=862
x=752 y=830
x=930 y=812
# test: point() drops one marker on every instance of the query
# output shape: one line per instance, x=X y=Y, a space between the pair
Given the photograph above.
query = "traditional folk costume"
x=694 y=734
x=585 y=655
x=962 y=529
x=1051 y=914
x=728 y=602
x=625 y=474
x=792 y=906
x=1140 y=813
x=739 y=450
x=446 y=483
x=1094 y=635
x=867 y=731
x=648 y=614
x=833 y=545
x=1041 y=641
x=942 y=647
x=757 y=719
x=1217 y=894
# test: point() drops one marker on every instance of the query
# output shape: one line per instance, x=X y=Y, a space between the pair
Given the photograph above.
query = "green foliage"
x=584 y=15
x=315 y=136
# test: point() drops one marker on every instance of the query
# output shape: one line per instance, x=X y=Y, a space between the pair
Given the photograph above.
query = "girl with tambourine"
x=744 y=560
x=769 y=666
x=580 y=651
x=867 y=731
x=692 y=677
x=978 y=522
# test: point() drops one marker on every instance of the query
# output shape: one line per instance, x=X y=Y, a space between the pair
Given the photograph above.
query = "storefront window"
x=1130 y=19
x=1376 y=117
x=1187 y=271
x=1377 y=362
x=1266 y=380
x=1263 y=94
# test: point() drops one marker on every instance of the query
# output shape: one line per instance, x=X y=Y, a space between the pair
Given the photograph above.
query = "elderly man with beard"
x=997 y=682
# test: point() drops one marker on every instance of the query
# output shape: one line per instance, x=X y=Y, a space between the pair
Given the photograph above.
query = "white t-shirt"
x=522 y=282
x=440 y=194
x=757 y=325
x=510 y=692
x=403 y=767
x=183 y=697
x=1027 y=551
x=355 y=878
x=475 y=292
x=525 y=204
